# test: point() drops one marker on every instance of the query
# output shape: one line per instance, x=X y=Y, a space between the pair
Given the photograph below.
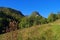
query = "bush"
x=52 y=17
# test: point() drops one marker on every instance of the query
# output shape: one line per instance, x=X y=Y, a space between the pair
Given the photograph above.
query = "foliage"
x=40 y=32
x=52 y=17
x=35 y=17
x=7 y=14
x=43 y=21
x=25 y=22
x=58 y=15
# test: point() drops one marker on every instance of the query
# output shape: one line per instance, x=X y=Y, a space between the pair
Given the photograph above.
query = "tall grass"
x=39 y=32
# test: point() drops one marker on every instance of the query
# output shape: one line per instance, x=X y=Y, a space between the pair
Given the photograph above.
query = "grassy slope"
x=49 y=31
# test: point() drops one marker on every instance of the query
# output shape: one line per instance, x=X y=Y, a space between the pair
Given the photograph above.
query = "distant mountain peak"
x=35 y=13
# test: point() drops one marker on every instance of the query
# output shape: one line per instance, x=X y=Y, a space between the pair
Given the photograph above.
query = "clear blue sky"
x=44 y=7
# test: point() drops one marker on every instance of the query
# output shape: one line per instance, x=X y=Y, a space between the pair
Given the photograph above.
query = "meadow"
x=50 y=31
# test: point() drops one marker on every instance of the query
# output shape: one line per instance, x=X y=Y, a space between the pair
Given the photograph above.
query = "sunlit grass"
x=49 y=31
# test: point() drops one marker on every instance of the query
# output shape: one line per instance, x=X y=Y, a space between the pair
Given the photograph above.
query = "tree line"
x=36 y=19
x=8 y=14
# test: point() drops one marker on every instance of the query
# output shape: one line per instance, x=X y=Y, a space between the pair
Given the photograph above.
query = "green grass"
x=36 y=33
x=56 y=32
x=49 y=31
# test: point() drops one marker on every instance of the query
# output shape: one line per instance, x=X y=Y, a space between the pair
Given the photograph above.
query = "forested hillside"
x=11 y=19
x=8 y=15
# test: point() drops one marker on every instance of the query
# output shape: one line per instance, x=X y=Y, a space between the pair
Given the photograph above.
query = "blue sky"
x=44 y=7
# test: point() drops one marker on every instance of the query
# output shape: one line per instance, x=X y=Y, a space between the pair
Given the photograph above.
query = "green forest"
x=32 y=27
x=8 y=14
